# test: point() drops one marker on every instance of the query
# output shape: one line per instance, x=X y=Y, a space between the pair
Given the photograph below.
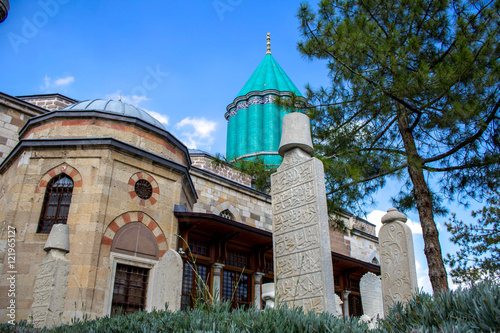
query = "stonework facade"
x=135 y=195
x=51 y=102
x=13 y=115
x=217 y=193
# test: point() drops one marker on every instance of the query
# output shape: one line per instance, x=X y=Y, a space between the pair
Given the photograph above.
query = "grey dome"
x=4 y=9
x=115 y=107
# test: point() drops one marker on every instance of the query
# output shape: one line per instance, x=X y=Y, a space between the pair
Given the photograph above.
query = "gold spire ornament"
x=268 y=43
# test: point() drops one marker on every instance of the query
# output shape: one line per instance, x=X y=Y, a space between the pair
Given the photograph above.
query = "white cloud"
x=130 y=99
x=59 y=82
x=375 y=217
x=64 y=81
x=160 y=117
x=415 y=227
x=198 y=133
x=423 y=278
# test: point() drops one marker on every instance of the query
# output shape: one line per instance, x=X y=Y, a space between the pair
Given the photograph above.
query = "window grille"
x=198 y=247
x=236 y=259
x=269 y=265
x=355 y=307
x=227 y=214
x=194 y=284
x=235 y=288
x=56 y=203
x=143 y=189
x=130 y=289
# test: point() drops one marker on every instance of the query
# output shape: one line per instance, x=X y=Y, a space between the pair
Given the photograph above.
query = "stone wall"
x=216 y=194
x=358 y=241
x=50 y=102
x=103 y=128
x=102 y=194
x=13 y=115
x=204 y=162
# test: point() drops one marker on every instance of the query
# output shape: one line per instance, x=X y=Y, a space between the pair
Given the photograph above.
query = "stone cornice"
x=96 y=142
x=97 y=114
x=20 y=105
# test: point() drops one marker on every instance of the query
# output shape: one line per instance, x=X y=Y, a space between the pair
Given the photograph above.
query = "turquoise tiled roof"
x=269 y=75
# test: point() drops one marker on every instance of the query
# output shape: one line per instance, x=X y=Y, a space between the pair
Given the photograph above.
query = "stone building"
x=130 y=191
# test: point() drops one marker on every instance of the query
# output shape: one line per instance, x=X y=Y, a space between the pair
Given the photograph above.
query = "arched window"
x=227 y=214
x=56 y=203
x=130 y=288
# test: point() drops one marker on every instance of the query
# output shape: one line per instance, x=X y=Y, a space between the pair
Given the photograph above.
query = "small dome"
x=114 y=107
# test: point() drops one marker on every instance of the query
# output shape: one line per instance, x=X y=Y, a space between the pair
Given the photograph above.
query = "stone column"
x=51 y=284
x=371 y=295
x=345 y=297
x=216 y=287
x=397 y=259
x=257 y=278
x=168 y=282
x=301 y=238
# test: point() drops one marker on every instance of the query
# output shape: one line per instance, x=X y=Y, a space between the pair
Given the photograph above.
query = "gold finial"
x=268 y=43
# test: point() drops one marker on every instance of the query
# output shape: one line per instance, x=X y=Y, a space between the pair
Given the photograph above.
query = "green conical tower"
x=254 y=121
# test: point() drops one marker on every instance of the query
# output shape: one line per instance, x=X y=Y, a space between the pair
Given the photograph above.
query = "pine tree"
x=478 y=258
x=414 y=95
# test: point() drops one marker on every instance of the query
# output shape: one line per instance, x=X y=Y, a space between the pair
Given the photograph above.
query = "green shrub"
x=469 y=310
x=476 y=309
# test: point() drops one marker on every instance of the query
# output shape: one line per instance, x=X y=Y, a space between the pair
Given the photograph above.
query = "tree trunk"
x=432 y=248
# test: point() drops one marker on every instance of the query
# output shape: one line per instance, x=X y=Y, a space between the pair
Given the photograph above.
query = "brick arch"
x=155 y=195
x=227 y=205
x=61 y=168
x=129 y=217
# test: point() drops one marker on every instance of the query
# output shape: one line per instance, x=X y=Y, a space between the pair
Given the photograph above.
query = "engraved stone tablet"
x=301 y=239
x=166 y=280
x=51 y=284
x=49 y=293
x=371 y=295
x=397 y=259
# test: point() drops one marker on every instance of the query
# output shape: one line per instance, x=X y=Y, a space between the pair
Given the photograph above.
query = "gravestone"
x=268 y=294
x=397 y=259
x=301 y=239
x=166 y=279
x=51 y=284
x=371 y=295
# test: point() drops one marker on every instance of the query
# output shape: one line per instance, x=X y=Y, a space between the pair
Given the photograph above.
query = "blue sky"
x=183 y=61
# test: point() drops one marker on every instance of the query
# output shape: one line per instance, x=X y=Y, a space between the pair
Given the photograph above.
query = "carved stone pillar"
x=257 y=278
x=216 y=287
x=301 y=238
x=49 y=293
x=397 y=259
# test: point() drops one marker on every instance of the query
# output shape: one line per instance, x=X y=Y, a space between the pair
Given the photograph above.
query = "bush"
x=469 y=310
x=476 y=309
